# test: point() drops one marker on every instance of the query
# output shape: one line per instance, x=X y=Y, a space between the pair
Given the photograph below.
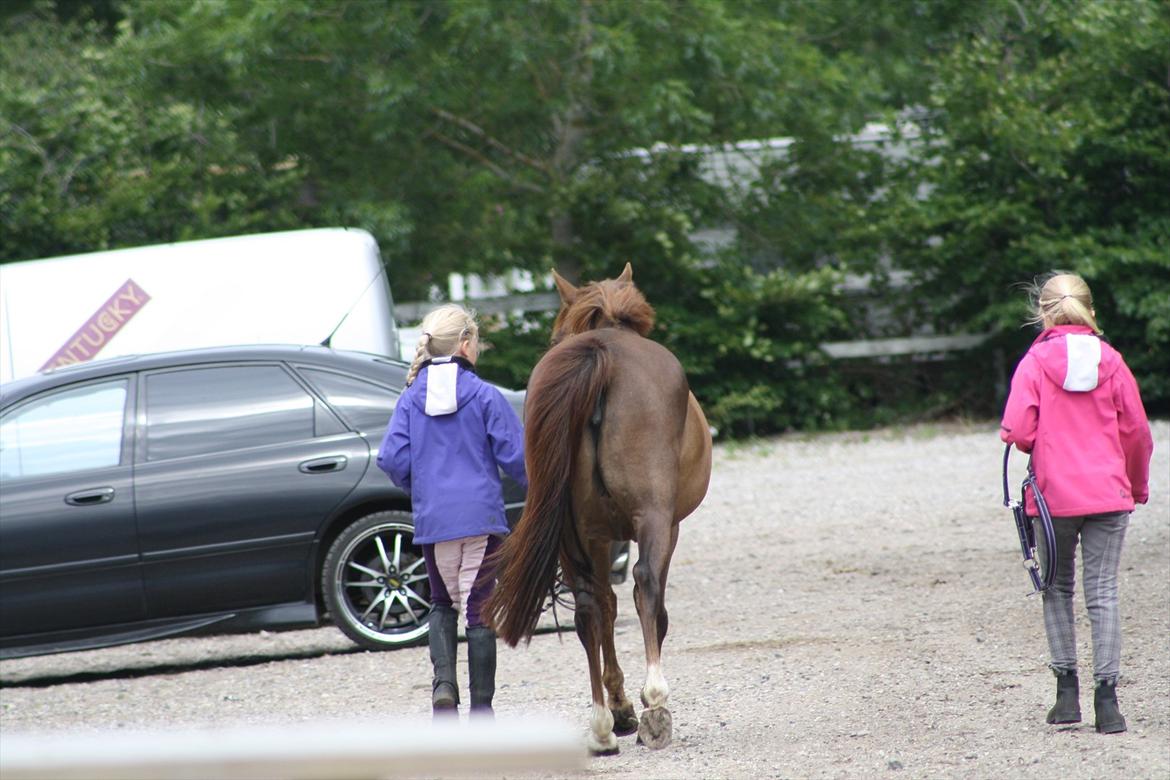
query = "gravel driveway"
x=845 y=605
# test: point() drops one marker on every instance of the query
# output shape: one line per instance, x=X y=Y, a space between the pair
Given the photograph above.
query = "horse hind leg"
x=655 y=546
x=587 y=618
x=624 y=720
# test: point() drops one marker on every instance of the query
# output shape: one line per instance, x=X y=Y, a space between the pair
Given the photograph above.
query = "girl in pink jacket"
x=1075 y=406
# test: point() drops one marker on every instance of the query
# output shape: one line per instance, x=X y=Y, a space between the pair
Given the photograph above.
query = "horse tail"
x=562 y=394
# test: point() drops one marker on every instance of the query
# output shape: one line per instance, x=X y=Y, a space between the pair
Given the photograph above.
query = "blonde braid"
x=421 y=355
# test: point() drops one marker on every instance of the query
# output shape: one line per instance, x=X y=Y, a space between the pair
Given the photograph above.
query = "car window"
x=71 y=430
x=365 y=406
x=203 y=410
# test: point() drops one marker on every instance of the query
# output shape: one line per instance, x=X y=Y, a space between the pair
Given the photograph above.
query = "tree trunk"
x=571 y=130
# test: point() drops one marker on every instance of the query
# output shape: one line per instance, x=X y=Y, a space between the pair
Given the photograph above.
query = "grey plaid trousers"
x=1101 y=538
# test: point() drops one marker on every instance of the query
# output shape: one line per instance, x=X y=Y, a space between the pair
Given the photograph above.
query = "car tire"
x=375 y=582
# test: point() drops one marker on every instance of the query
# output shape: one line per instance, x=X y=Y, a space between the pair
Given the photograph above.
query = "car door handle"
x=324 y=465
x=90 y=497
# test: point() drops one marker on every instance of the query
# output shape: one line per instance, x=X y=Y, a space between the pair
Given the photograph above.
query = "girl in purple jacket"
x=450 y=435
x=1074 y=405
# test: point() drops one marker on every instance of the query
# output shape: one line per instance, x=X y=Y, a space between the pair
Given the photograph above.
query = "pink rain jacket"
x=1074 y=405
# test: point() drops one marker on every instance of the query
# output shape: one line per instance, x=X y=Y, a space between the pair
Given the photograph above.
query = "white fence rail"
x=414 y=311
x=912 y=345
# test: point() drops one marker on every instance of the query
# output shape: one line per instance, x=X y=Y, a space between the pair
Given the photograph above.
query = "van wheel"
x=375 y=582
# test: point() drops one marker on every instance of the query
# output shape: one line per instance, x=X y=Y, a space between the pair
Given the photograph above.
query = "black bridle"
x=1041 y=573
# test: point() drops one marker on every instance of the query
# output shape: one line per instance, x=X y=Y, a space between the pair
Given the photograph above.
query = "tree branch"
x=536 y=81
x=29 y=139
x=324 y=58
x=475 y=129
x=483 y=160
x=1024 y=23
x=67 y=180
x=569 y=126
x=48 y=165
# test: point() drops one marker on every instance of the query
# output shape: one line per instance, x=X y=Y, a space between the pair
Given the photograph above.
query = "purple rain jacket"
x=450 y=434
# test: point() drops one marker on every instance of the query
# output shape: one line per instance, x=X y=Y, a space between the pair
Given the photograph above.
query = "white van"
x=321 y=286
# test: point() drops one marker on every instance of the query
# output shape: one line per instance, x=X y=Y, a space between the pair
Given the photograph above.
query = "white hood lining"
x=1084 y=358
x=441 y=388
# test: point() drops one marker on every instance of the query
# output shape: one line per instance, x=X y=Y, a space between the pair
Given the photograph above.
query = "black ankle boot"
x=481 y=663
x=1109 y=717
x=1068 y=704
x=443 y=643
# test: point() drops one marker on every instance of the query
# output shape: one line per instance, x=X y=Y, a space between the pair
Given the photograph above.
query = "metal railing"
x=414 y=311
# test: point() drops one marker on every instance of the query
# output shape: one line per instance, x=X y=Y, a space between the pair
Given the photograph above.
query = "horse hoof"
x=624 y=720
x=655 y=727
x=607 y=747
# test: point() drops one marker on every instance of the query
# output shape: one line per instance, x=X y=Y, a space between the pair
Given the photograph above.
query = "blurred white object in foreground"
x=343 y=750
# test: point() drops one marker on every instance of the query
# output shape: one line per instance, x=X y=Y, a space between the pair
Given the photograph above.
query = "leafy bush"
x=90 y=163
x=1047 y=149
x=479 y=136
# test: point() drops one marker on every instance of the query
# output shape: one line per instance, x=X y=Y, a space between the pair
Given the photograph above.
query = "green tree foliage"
x=503 y=135
x=1048 y=147
x=89 y=161
x=479 y=117
x=482 y=135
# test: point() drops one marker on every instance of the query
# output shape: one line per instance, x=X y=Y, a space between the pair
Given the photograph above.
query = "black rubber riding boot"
x=1109 y=717
x=443 y=641
x=481 y=663
x=1068 y=699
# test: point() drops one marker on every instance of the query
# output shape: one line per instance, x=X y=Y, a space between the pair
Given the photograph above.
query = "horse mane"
x=606 y=304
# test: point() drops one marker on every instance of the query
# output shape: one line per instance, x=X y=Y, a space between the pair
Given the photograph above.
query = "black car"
x=211 y=490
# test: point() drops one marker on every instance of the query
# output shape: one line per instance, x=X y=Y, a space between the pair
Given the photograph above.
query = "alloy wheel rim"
x=383 y=584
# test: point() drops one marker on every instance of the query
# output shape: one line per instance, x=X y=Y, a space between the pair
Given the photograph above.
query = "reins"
x=1041 y=573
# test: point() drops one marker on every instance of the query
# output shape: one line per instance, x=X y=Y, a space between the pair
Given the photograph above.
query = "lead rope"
x=1041 y=573
x=552 y=595
x=556 y=596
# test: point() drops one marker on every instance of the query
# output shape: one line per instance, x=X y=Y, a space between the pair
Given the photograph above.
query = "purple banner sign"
x=101 y=327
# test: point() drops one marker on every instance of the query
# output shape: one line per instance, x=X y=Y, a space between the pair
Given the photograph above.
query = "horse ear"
x=568 y=291
x=627 y=274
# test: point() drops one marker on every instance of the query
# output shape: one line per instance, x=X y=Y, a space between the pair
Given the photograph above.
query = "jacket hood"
x=444 y=385
x=1074 y=357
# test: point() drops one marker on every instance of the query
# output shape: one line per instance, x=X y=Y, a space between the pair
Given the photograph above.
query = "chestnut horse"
x=617 y=448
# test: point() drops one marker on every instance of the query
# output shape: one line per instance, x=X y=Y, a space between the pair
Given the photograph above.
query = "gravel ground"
x=845 y=605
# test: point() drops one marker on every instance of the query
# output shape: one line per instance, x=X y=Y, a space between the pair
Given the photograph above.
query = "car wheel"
x=375 y=582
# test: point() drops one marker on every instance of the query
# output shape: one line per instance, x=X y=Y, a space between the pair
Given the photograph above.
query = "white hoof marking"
x=601 y=736
x=656 y=691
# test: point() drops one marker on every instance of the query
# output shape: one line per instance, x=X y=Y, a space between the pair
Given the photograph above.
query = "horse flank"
x=562 y=393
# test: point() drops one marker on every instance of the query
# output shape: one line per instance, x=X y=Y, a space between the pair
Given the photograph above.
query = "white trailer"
x=316 y=286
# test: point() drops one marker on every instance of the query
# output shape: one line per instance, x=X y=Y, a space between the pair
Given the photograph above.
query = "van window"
x=72 y=430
